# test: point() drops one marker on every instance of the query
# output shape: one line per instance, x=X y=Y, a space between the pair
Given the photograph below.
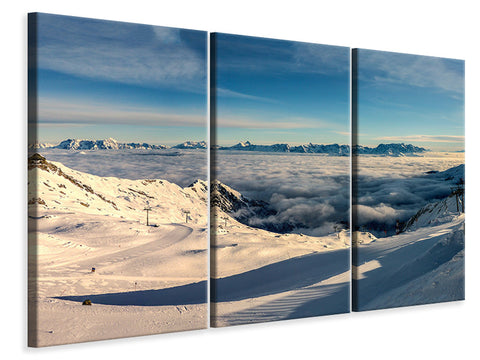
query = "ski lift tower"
x=225 y=218
x=459 y=191
x=147 y=209
x=187 y=212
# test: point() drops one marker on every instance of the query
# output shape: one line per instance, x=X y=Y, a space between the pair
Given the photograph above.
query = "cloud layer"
x=52 y=111
x=310 y=192
x=181 y=167
x=395 y=188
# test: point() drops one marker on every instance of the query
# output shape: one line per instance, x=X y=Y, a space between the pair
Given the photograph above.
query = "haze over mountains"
x=393 y=149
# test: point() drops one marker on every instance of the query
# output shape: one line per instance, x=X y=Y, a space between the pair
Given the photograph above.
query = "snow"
x=147 y=279
x=259 y=275
x=415 y=267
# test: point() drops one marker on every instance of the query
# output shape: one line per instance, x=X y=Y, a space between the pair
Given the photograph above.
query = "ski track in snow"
x=390 y=263
x=327 y=297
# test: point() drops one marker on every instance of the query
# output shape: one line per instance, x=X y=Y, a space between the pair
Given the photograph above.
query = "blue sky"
x=132 y=82
x=412 y=99
x=274 y=91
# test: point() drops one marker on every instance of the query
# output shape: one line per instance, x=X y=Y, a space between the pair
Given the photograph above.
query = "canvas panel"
x=280 y=170
x=117 y=176
x=408 y=214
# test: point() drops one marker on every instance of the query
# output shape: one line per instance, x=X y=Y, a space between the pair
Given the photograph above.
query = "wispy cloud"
x=234 y=94
x=413 y=70
x=280 y=123
x=323 y=59
x=252 y=54
x=52 y=111
x=425 y=138
x=120 y=52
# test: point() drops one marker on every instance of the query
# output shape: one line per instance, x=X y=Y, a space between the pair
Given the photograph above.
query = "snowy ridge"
x=112 y=144
x=61 y=188
x=237 y=205
x=389 y=150
x=191 y=145
x=331 y=149
x=455 y=174
x=36 y=146
x=435 y=213
x=107 y=144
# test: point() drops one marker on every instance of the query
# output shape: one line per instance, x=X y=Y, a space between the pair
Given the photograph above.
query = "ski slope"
x=148 y=279
x=259 y=276
x=422 y=266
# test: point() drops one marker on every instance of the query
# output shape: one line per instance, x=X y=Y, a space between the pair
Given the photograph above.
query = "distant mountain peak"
x=113 y=144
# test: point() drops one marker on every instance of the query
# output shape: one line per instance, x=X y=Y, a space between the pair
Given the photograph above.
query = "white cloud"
x=235 y=94
x=294 y=122
x=425 y=138
x=414 y=70
x=77 y=112
x=120 y=52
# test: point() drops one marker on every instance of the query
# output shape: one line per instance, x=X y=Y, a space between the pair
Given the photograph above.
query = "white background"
x=439 y=28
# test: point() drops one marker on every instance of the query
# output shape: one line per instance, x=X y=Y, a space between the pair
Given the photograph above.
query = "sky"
x=135 y=83
x=412 y=99
x=275 y=91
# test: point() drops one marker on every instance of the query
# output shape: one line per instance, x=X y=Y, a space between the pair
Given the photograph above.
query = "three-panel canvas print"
x=307 y=180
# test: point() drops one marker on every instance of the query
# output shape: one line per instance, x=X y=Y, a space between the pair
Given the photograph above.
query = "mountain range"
x=112 y=144
x=330 y=149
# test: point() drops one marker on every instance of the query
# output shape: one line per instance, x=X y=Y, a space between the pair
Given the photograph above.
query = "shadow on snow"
x=282 y=276
x=195 y=293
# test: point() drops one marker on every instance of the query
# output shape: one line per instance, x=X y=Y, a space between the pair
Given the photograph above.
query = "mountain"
x=239 y=206
x=455 y=174
x=107 y=144
x=435 y=213
x=112 y=144
x=250 y=212
x=388 y=149
x=191 y=145
x=331 y=149
x=36 y=146
x=55 y=186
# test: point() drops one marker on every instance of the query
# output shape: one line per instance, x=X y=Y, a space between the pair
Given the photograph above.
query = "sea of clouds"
x=395 y=188
x=311 y=192
x=180 y=166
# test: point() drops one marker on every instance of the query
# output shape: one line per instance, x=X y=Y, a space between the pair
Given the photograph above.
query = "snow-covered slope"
x=423 y=264
x=455 y=174
x=435 y=213
x=260 y=275
x=62 y=189
x=147 y=279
